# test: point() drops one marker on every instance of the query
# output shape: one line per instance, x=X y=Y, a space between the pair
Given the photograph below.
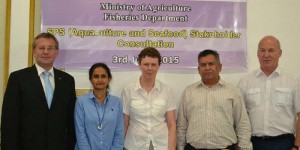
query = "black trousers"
x=280 y=142
x=190 y=147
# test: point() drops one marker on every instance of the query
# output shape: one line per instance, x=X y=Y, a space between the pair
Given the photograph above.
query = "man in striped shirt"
x=212 y=114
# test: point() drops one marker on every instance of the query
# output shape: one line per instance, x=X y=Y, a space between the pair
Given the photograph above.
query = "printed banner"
x=114 y=32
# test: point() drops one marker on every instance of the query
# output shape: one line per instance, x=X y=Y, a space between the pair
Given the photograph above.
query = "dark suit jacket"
x=27 y=122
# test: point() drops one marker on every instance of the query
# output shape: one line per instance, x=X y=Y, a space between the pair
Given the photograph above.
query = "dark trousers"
x=190 y=147
x=281 y=142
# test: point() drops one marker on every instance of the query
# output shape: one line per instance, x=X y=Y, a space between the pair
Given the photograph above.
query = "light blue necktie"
x=48 y=88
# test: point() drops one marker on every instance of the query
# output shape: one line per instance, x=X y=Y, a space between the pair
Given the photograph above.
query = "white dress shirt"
x=40 y=71
x=147 y=114
x=213 y=118
x=272 y=102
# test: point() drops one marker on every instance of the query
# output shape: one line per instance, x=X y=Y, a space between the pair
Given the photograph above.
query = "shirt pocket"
x=159 y=107
x=138 y=107
x=283 y=97
x=253 y=97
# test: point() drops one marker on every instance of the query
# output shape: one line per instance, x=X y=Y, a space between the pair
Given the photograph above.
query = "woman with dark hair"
x=98 y=115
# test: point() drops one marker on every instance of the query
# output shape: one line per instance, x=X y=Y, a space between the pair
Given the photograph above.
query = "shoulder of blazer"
x=62 y=74
x=24 y=71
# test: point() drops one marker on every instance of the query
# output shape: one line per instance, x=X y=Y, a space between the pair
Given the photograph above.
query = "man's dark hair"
x=209 y=52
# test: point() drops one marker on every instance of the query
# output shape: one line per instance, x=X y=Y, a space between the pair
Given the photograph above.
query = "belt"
x=272 y=138
x=188 y=146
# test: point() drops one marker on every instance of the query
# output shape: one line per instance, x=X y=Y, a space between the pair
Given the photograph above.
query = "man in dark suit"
x=29 y=120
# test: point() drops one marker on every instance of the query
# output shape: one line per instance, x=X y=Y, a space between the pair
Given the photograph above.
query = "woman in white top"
x=149 y=108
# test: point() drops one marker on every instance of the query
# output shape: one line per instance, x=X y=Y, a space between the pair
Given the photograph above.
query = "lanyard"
x=100 y=125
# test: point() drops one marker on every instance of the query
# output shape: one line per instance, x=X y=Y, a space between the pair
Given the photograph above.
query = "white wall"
x=19 y=35
x=265 y=17
x=2 y=45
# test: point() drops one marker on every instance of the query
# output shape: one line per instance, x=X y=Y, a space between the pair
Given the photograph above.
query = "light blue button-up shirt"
x=89 y=137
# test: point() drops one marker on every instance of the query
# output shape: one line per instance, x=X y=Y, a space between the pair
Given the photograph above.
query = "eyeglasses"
x=48 y=48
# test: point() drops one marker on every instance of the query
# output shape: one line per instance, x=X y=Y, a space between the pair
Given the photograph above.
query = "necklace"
x=100 y=125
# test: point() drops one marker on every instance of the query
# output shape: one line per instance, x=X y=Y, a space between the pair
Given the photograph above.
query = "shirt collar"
x=276 y=72
x=138 y=86
x=220 y=83
x=40 y=70
x=93 y=97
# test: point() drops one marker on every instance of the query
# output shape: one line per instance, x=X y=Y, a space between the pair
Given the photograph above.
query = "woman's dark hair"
x=101 y=65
